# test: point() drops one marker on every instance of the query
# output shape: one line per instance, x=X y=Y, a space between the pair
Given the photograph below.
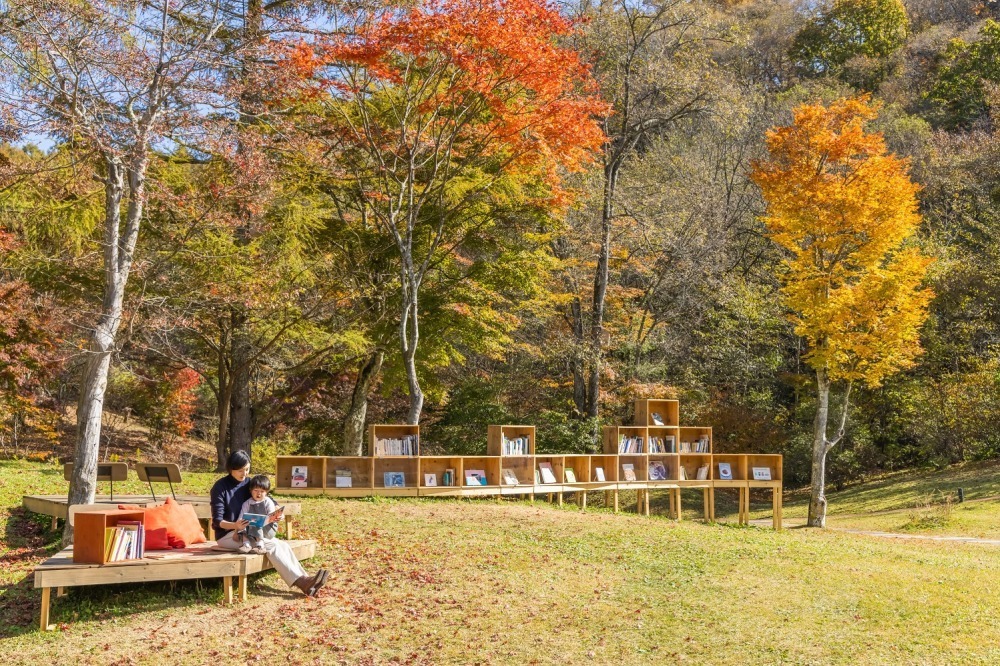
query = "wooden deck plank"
x=180 y=564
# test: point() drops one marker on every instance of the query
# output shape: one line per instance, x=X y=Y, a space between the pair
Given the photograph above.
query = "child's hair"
x=260 y=481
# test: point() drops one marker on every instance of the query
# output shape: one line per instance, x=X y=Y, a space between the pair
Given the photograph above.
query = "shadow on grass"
x=27 y=541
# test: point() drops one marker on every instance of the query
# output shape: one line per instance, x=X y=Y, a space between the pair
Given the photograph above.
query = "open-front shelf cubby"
x=386 y=441
x=349 y=476
x=633 y=471
x=520 y=469
x=757 y=463
x=653 y=412
x=395 y=476
x=91 y=529
x=603 y=472
x=510 y=440
x=691 y=465
x=303 y=475
x=554 y=466
x=441 y=475
x=662 y=439
x=694 y=439
x=576 y=470
x=478 y=468
x=729 y=470
x=624 y=439
x=662 y=470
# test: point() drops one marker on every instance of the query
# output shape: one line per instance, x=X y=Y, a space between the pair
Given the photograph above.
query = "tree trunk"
x=600 y=292
x=577 y=361
x=354 y=423
x=118 y=254
x=241 y=411
x=817 y=500
x=224 y=397
x=409 y=336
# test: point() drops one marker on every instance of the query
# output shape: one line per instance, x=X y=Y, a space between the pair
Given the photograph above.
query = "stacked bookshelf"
x=654 y=453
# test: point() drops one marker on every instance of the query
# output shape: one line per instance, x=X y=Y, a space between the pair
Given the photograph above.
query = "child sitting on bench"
x=252 y=538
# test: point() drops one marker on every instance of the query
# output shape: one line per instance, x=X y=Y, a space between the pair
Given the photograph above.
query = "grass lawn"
x=439 y=582
x=915 y=502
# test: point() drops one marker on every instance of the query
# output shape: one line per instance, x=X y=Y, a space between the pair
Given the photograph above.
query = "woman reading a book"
x=227 y=498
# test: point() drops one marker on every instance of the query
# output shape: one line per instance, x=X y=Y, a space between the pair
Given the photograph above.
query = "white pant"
x=278 y=552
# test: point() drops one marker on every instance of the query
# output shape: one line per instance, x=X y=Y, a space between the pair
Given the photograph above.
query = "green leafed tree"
x=852 y=38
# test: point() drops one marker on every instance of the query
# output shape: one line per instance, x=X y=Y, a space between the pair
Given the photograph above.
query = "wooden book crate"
x=88 y=533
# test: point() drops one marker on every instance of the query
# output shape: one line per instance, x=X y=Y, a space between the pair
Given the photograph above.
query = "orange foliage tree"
x=437 y=116
x=845 y=212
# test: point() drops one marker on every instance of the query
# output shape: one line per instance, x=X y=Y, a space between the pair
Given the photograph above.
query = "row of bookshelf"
x=528 y=473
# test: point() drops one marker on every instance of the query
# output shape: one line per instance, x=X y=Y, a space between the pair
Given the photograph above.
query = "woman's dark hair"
x=260 y=481
x=237 y=460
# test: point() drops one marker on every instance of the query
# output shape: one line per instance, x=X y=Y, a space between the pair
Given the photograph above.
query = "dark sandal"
x=319 y=580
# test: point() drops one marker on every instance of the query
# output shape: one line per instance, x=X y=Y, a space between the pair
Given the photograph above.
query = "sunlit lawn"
x=432 y=582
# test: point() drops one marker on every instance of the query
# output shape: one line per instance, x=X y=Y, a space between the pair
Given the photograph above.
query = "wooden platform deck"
x=57 y=506
x=198 y=561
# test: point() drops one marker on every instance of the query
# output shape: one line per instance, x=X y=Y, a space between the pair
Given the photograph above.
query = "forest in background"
x=262 y=306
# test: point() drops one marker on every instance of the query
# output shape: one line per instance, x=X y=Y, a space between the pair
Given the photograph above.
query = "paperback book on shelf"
x=475 y=477
x=684 y=473
x=761 y=473
x=702 y=473
x=629 y=444
x=657 y=418
x=397 y=446
x=300 y=476
x=548 y=476
x=509 y=477
x=570 y=475
x=430 y=480
x=657 y=471
x=394 y=479
x=342 y=478
x=518 y=446
x=725 y=471
x=628 y=471
x=599 y=474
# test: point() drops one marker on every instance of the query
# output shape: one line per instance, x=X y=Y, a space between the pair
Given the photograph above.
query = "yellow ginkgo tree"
x=845 y=211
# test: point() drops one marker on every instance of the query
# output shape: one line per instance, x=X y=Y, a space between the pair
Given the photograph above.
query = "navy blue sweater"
x=227 y=497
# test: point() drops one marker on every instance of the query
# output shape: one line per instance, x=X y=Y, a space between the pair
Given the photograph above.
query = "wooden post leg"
x=208 y=530
x=583 y=501
x=743 y=506
x=778 y=502
x=288 y=528
x=615 y=491
x=607 y=498
x=55 y=523
x=242 y=588
x=679 y=514
x=531 y=497
x=559 y=498
x=60 y=591
x=227 y=588
x=638 y=502
x=548 y=498
x=775 y=520
x=671 y=511
x=645 y=502
x=44 y=615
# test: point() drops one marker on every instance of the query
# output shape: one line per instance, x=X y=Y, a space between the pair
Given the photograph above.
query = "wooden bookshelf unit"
x=368 y=473
x=88 y=533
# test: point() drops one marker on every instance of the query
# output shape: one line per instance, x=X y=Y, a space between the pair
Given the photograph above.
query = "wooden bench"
x=198 y=561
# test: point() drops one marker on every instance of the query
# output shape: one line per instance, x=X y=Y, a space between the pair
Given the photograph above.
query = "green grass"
x=443 y=581
x=915 y=502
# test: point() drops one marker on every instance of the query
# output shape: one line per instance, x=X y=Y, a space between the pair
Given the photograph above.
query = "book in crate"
x=396 y=446
x=701 y=445
x=665 y=444
x=628 y=444
x=518 y=446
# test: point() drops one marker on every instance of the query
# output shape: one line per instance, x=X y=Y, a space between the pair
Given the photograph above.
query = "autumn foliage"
x=845 y=211
x=488 y=76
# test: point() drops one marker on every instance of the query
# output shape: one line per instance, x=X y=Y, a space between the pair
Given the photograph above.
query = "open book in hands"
x=260 y=519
